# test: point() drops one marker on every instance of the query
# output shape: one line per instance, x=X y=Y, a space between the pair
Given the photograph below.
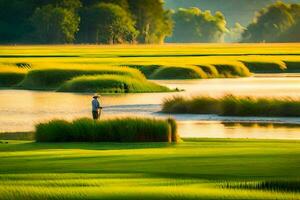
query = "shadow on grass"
x=15 y=145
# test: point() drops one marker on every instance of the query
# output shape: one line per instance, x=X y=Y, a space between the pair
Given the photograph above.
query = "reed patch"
x=230 y=105
x=112 y=130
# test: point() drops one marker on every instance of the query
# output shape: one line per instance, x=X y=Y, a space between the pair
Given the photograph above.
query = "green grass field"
x=154 y=61
x=193 y=169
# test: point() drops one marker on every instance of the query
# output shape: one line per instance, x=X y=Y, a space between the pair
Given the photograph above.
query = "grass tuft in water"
x=271 y=185
x=233 y=106
x=112 y=130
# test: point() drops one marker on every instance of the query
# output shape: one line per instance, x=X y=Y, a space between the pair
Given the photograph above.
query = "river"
x=20 y=110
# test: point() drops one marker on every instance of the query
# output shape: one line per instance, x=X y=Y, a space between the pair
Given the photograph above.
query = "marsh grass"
x=292 y=66
x=11 y=75
x=230 y=105
x=178 y=72
x=210 y=70
x=266 y=66
x=147 y=70
x=231 y=70
x=112 y=130
x=111 y=84
x=53 y=78
x=9 y=79
x=271 y=185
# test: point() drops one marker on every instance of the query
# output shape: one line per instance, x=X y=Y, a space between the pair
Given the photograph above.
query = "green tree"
x=153 y=22
x=193 y=25
x=55 y=24
x=270 y=23
x=14 y=23
x=106 y=23
x=122 y=3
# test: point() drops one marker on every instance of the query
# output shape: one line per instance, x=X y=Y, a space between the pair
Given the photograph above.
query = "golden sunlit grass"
x=154 y=60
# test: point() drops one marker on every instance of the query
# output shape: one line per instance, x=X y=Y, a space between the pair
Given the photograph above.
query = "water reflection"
x=20 y=109
x=190 y=129
x=253 y=86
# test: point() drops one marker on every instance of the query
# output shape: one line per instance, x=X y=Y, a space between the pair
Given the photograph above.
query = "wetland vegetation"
x=230 y=105
x=111 y=130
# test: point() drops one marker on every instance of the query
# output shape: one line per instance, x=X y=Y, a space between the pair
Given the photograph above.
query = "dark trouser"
x=96 y=115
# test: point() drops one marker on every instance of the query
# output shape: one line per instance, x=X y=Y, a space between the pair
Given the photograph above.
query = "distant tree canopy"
x=153 y=23
x=143 y=21
x=87 y=21
x=194 y=25
x=278 y=22
x=106 y=23
x=54 y=24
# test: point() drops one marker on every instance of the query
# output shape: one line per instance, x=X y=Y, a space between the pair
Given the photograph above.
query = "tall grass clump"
x=210 y=70
x=230 y=105
x=292 y=66
x=203 y=105
x=147 y=70
x=53 y=78
x=231 y=70
x=11 y=76
x=111 y=84
x=271 y=185
x=178 y=72
x=111 y=130
x=8 y=79
x=266 y=66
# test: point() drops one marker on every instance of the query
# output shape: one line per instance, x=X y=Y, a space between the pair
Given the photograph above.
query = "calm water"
x=20 y=110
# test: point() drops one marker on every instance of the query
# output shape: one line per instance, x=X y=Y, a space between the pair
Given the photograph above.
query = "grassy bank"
x=193 y=169
x=112 y=130
x=11 y=75
x=178 y=72
x=111 y=84
x=54 y=78
x=49 y=67
x=233 y=106
x=266 y=66
x=199 y=71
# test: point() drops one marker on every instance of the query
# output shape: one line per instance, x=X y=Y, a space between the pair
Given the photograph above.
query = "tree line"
x=84 y=21
x=136 y=21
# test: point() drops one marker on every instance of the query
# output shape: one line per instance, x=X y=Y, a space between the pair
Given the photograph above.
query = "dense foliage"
x=194 y=25
x=96 y=21
x=146 y=21
x=278 y=22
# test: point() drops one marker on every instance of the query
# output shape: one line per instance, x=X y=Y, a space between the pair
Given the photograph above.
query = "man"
x=96 y=108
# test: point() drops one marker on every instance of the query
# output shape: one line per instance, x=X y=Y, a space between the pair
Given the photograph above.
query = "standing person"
x=96 y=108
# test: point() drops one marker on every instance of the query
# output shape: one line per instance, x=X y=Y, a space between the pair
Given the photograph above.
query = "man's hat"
x=96 y=96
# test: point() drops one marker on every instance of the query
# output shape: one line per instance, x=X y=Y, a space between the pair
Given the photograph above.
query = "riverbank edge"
x=29 y=137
